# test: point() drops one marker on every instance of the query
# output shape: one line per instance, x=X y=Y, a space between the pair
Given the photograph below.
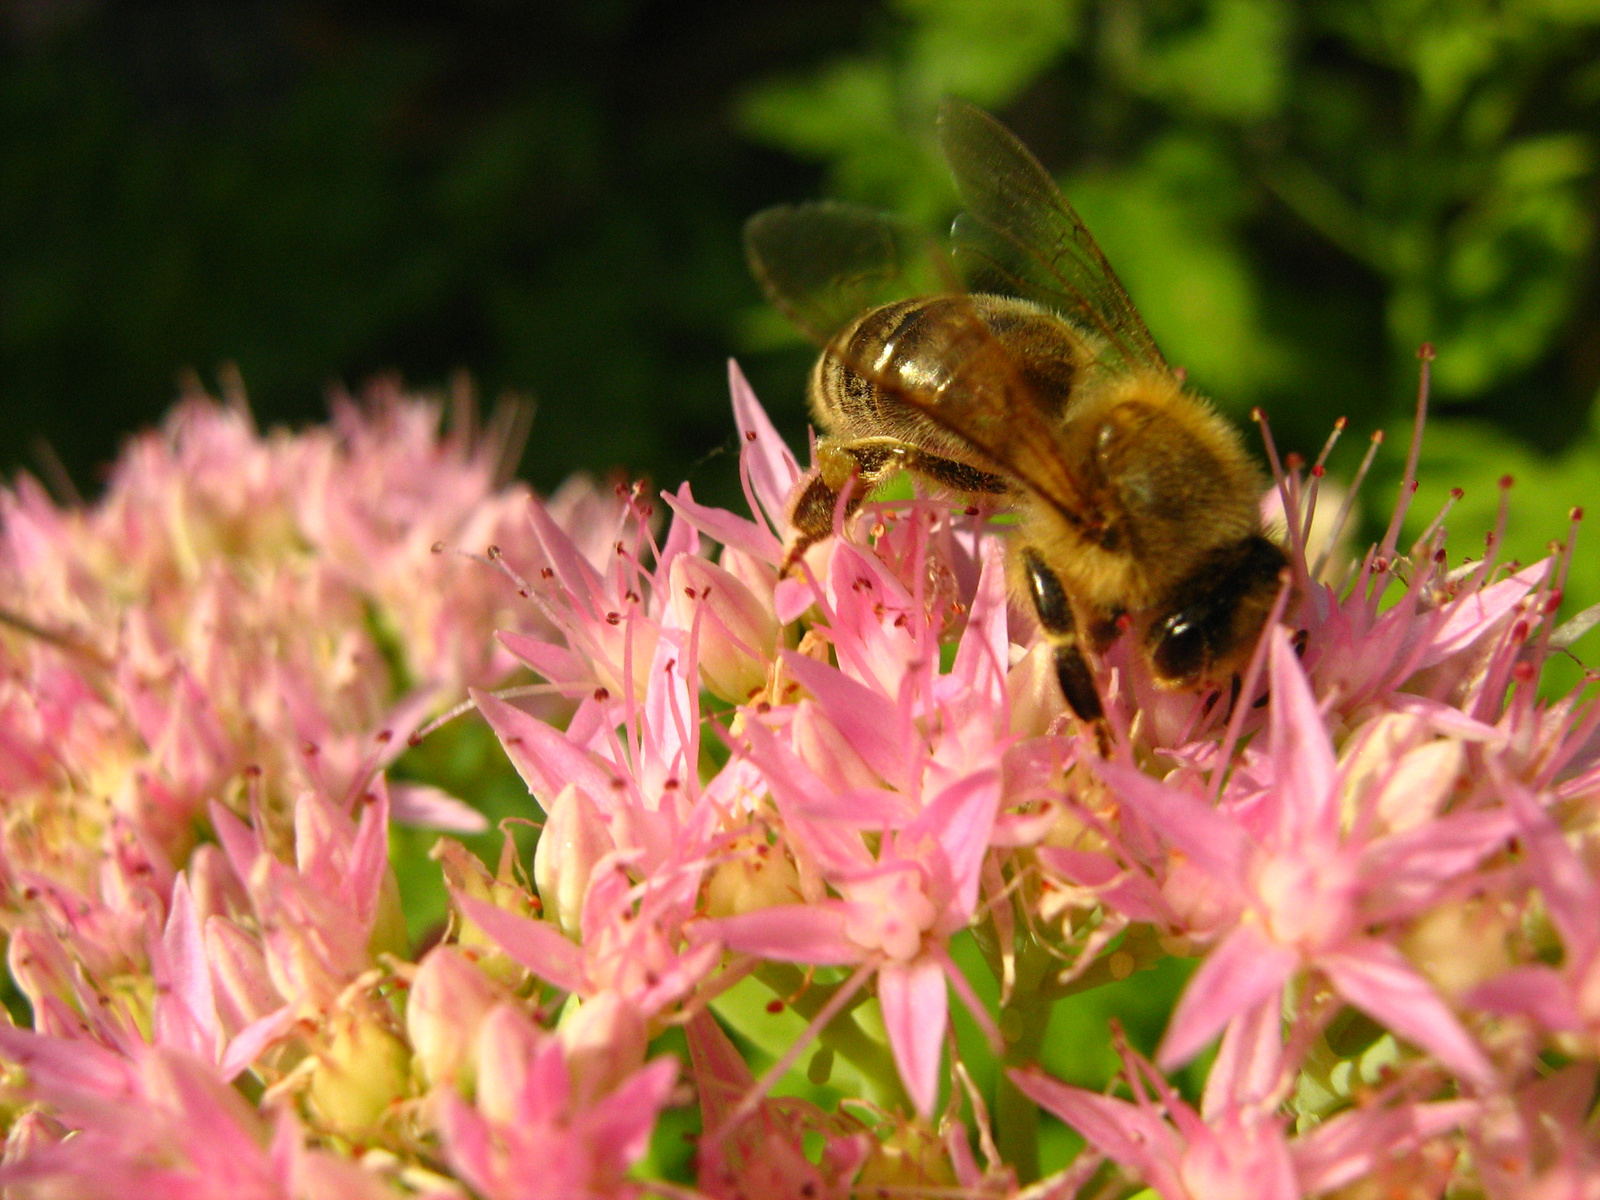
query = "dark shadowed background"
x=548 y=196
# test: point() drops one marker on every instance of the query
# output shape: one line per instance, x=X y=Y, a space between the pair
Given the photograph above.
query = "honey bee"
x=1029 y=376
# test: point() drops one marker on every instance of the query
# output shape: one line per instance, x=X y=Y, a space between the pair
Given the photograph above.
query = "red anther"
x=1576 y=514
x=1340 y=423
x=749 y=435
x=1552 y=601
x=613 y=618
x=621 y=549
x=1519 y=631
x=1439 y=556
x=1293 y=460
x=385 y=736
x=670 y=785
x=1377 y=436
x=494 y=551
x=436 y=548
x=1124 y=622
x=602 y=694
x=1456 y=493
x=1318 y=471
x=1506 y=481
x=774 y=1007
x=689 y=592
x=1524 y=672
x=1425 y=352
x=547 y=573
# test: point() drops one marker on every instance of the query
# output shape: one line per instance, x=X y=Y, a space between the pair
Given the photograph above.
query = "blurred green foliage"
x=549 y=196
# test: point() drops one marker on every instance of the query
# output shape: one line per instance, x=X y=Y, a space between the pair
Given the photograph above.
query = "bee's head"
x=1209 y=624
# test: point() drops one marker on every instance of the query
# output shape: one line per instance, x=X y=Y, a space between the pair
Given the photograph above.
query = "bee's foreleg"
x=1054 y=611
x=868 y=461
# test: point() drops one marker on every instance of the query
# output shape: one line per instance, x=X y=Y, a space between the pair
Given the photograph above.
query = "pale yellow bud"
x=753 y=875
x=359 y=1074
x=574 y=838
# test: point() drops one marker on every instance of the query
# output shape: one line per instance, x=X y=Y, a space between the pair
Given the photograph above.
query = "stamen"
x=1408 y=482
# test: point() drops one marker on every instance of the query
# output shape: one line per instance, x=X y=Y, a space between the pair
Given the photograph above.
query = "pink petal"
x=807 y=933
x=961 y=817
x=915 y=1009
x=1249 y=1063
x=985 y=648
x=555 y=663
x=867 y=718
x=1129 y=1134
x=1304 y=768
x=1238 y=974
x=1377 y=979
x=722 y=526
x=186 y=1010
x=773 y=470
x=545 y=759
x=428 y=807
x=1211 y=840
x=537 y=945
x=1473 y=615
x=1538 y=991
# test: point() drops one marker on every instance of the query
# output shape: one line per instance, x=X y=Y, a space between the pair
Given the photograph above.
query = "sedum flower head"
x=794 y=823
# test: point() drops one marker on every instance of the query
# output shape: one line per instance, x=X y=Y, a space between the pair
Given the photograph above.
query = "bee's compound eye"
x=1180 y=648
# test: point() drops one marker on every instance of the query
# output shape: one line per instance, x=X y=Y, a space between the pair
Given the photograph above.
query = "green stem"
x=1023 y=1021
x=843 y=1035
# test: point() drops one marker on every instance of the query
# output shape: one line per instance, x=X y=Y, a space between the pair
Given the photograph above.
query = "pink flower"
x=527 y=1139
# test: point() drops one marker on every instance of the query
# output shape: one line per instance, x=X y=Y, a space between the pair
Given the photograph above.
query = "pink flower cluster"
x=837 y=790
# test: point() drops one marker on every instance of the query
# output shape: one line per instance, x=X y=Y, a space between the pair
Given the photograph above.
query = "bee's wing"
x=824 y=264
x=1020 y=237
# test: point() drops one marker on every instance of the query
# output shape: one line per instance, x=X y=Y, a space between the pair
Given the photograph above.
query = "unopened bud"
x=910 y=1159
x=358 y=1075
x=574 y=838
x=448 y=1000
x=754 y=874
x=605 y=1041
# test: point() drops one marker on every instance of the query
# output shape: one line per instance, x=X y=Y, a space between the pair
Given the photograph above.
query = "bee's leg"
x=869 y=461
x=811 y=515
x=1054 y=610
